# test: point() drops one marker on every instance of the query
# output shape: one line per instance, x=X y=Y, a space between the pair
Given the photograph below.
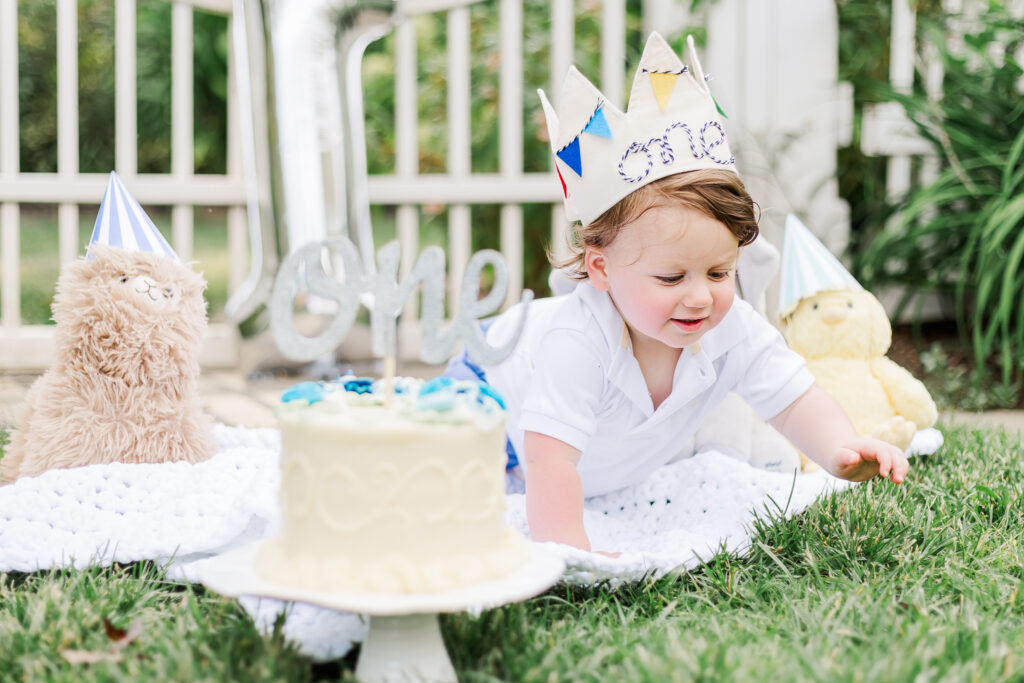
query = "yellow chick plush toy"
x=843 y=332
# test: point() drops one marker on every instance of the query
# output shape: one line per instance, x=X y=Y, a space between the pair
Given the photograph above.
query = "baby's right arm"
x=554 y=493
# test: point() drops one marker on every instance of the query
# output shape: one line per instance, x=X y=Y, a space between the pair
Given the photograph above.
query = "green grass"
x=40 y=260
x=878 y=583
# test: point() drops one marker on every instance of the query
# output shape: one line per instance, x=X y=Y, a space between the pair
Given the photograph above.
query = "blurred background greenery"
x=959 y=238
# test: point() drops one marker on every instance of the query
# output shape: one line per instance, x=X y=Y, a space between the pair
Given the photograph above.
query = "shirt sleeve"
x=775 y=375
x=565 y=391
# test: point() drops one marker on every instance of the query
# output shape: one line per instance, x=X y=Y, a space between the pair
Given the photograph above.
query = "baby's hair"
x=716 y=194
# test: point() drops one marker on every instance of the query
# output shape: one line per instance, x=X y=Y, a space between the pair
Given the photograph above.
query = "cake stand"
x=403 y=640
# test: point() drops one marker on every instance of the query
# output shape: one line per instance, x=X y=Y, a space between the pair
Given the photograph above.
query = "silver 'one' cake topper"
x=388 y=298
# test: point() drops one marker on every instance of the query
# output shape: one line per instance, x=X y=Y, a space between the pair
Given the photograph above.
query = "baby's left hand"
x=864 y=458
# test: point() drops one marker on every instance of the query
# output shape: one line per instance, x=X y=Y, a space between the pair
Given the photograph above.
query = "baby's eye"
x=669 y=279
x=718 y=276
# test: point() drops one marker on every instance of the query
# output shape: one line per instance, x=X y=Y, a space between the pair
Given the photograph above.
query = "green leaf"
x=1014 y=158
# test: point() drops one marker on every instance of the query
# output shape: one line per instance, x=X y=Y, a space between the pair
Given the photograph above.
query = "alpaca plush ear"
x=596 y=264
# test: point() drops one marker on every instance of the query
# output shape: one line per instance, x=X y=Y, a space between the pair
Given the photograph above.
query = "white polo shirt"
x=573 y=376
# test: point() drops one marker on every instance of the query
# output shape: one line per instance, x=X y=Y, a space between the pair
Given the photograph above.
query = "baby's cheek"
x=723 y=301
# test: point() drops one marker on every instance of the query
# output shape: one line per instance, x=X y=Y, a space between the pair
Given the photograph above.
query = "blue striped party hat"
x=121 y=222
x=808 y=267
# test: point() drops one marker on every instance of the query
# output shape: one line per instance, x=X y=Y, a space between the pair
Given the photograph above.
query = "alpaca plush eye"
x=124 y=278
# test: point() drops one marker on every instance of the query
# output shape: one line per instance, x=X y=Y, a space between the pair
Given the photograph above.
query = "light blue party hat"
x=808 y=267
x=122 y=223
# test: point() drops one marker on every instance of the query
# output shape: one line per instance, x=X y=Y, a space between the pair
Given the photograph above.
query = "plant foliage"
x=962 y=234
x=37 y=87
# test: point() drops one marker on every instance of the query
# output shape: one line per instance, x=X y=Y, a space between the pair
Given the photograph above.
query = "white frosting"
x=397 y=498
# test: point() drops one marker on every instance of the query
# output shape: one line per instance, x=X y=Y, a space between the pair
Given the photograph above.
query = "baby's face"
x=671 y=274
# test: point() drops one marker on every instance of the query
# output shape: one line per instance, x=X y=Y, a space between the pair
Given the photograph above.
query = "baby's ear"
x=596 y=264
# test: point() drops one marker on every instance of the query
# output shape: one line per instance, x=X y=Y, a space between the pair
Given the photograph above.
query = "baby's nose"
x=697 y=296
x=833 y=314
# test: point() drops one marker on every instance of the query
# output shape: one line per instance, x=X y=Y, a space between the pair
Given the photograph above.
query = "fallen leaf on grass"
x=120 y=639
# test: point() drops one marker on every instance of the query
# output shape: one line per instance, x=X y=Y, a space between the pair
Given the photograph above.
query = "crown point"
x=580 y=98
x=698 y=70
x=550 y=119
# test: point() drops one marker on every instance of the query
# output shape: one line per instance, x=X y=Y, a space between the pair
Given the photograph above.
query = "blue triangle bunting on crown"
x=121 y=222
x=598 y=125
x=570 y=154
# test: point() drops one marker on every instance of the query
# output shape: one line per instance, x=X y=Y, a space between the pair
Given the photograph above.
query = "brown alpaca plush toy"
x=123 y=386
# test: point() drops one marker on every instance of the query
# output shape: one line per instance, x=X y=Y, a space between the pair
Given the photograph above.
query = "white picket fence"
x=30 y=347
x=753 y=67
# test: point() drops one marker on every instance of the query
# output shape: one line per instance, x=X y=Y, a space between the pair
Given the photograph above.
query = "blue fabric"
x=461 y=366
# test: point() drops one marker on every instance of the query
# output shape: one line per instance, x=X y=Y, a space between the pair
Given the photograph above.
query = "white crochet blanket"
x=177 y=513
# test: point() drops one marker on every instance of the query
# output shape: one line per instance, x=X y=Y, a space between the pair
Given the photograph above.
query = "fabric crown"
x=672 y=125
x=121 y=222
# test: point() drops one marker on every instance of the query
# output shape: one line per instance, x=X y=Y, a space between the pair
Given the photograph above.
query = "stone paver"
x=1010 y=420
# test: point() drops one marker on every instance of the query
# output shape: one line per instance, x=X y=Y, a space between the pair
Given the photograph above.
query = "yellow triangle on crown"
x=663 y=84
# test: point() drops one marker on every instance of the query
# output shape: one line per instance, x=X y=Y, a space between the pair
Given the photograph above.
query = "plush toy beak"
x=833 y=315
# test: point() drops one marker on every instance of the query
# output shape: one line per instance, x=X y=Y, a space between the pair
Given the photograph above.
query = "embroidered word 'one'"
x=668 y=154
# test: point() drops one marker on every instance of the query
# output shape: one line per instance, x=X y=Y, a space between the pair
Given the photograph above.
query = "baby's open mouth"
x=688 y=324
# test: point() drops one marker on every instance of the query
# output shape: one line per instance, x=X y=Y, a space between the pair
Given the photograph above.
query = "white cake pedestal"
x=403 y=641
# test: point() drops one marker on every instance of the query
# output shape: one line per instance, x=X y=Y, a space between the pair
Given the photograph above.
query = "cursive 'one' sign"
x=388 y=297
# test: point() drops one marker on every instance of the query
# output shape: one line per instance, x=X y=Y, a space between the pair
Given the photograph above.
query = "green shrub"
x=962 y=235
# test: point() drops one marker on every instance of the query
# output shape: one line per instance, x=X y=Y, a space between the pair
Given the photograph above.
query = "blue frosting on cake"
x=438 y=395
x=310 y=392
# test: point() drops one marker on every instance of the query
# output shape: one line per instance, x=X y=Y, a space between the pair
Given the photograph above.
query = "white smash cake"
x=406 y=498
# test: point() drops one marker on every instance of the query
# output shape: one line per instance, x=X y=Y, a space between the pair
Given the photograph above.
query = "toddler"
x=607 y=382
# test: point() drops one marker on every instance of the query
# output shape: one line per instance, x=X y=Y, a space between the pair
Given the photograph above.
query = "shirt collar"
x=623 y=371
x=726 y=334
x=605 y=314
x=717 y=342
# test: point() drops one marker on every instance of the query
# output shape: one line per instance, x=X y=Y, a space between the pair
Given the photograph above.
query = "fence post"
x=775 y=68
